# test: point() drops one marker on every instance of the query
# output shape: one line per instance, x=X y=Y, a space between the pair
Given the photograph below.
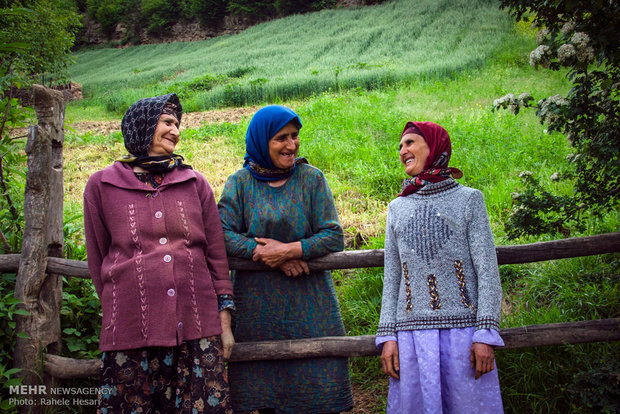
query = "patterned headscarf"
x=265 y=123
x=140 y=121
x=436 y=166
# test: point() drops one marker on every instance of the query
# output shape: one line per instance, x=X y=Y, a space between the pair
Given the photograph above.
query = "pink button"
x=171 y=292
x=163 y=240
x=167 y=258
x=180 y=325
x=159 y=214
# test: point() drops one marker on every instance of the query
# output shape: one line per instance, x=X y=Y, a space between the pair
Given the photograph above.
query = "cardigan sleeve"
x=96 y=233
x=392 y=275
x=327 y=234
x=232 y=217
x=215 y=251
x=484 y=257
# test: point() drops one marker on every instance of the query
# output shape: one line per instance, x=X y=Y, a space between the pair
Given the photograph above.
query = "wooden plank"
x=352 y=259
x=9 y=263
x=599 y=330
x=559 y=249
x=67 y=368
x=358 y=346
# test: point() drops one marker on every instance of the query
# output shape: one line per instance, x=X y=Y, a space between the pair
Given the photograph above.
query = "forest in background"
x=134 y=21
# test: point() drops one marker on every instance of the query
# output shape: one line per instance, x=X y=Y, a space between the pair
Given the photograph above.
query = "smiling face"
x=284 y=146
x=166 y=136
x=413 y=153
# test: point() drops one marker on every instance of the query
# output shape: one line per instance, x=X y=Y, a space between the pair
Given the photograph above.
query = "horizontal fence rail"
x=357 y=346
x=352 y=259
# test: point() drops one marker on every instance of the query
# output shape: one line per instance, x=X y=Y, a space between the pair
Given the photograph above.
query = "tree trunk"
x=41 y=292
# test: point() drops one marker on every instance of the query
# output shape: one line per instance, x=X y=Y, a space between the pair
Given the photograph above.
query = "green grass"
x=351 y=131
x=301 y=55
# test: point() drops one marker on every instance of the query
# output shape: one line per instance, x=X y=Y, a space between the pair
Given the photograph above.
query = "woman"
x=279 y=210
x=441 y=293
x=157 y=258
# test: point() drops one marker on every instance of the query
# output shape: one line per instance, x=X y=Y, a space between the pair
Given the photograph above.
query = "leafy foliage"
x=8 y=309
x=256 y=9
x=578 y=35
x=208 y=12
x=157 y=15
x=42 y=32
x=161 y=14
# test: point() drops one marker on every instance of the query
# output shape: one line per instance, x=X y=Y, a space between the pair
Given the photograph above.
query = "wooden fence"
x=39 y=266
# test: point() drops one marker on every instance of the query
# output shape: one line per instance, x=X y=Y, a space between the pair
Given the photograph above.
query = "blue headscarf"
x=265 y=123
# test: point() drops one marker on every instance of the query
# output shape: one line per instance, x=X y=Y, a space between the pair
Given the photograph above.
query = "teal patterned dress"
x=272 y=306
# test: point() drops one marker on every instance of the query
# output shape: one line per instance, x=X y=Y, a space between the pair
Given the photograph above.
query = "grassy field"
x=442 y=61
x=301 y=55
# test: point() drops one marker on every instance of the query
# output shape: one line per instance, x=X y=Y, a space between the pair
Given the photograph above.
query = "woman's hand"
x=389 y=359
x=274 y=253
x=228 y=340
x=482 y=358
x=295 y=267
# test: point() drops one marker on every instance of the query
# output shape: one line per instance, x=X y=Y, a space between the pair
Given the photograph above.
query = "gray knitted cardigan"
x=440 y=262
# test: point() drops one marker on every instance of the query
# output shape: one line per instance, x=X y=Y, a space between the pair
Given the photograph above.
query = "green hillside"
x=295 y=57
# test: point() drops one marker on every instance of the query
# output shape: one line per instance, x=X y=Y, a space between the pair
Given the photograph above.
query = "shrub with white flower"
x=541 y=36
x=584 y=50
x=566 y=53
x=577 y=35
x=568 y=28
x=550 y=109
x=509 y=101
x=541 y=56
x=580 y=39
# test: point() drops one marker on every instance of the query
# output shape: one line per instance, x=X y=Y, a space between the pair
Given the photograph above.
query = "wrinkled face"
x=284 y=146
x=413 y=153
x=166 y=136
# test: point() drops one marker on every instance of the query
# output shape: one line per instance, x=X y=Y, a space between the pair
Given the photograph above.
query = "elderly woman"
x=157 y=258
x=279 y=210
x=441 y=293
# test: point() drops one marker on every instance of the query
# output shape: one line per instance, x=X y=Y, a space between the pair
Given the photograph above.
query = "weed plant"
x=352 y=135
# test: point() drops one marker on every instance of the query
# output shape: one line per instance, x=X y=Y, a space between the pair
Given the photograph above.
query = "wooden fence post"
x=41 y=292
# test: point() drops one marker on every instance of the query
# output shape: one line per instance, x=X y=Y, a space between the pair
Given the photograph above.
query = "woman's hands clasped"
x=286 y=256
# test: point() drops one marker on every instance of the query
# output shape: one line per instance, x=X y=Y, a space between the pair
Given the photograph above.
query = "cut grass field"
x=351 y=132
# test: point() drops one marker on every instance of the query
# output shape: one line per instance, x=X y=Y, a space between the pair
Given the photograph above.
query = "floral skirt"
x=188 y=378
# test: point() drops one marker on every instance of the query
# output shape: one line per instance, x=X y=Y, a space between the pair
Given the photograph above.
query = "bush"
x=160 y=15
x=571 y=36
x=108 y=13
x=208 y=12
x=256 y=10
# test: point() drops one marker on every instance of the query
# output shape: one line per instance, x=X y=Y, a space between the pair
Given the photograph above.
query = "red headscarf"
x=436 y=166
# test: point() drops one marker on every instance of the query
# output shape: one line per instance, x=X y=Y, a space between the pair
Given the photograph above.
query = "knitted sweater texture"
x=156 y=257
x=440 y=262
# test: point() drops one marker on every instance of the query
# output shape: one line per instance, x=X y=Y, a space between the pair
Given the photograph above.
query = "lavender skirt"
x=436 y=375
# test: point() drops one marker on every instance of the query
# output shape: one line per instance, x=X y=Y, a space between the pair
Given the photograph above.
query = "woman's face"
x=166 y=136
x=284 y=146
x=413 y=153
